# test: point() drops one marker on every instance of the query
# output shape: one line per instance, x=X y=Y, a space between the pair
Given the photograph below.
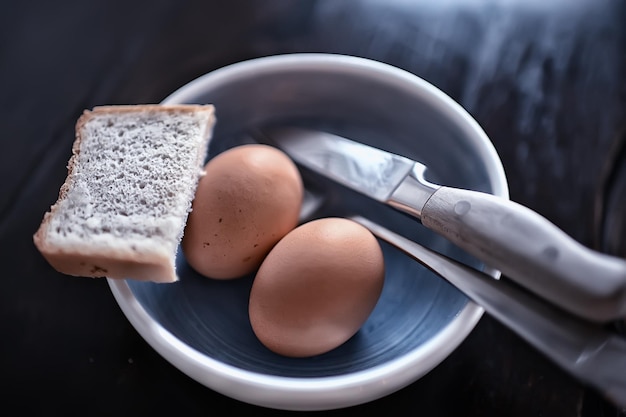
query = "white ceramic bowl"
x=201 y=325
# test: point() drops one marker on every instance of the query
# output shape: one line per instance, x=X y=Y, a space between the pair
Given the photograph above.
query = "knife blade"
x=381 y=175
x=368 y=170
x=591 y=353
x=503 y=234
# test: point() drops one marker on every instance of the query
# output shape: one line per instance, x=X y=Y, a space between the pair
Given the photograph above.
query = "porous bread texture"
x=131 y=180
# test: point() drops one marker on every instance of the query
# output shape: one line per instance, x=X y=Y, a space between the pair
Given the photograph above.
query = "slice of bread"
x=131 y=179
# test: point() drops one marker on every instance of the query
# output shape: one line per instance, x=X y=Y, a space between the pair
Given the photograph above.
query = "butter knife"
x=523 y=245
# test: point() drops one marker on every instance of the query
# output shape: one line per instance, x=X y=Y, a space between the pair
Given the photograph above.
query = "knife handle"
x=530 y=250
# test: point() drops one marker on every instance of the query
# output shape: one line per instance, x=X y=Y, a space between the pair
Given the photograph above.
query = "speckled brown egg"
x=248 y=199
x=316 y=287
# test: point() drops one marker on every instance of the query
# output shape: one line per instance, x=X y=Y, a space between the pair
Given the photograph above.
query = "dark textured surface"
x=545 y=79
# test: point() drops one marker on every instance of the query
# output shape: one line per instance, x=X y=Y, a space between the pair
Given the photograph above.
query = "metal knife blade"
x=381 y=175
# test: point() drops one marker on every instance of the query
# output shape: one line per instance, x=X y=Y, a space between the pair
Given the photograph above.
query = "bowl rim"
x=333 y=392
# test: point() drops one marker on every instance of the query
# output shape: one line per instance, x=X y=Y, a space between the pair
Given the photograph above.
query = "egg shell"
x=248 y=199
x=316 y=287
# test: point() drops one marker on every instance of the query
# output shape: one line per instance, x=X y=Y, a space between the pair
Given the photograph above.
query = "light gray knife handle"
x=529 y=249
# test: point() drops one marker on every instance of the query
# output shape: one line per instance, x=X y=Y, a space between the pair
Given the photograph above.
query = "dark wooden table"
x=546 y=80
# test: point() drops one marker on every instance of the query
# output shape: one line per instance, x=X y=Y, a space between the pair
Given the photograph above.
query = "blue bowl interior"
x=212 y=317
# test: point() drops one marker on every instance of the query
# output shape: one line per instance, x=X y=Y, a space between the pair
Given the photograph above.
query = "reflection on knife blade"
x=368 y=170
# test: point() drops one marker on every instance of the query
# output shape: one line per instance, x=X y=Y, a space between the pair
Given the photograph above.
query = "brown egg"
x=316 y=287
x=249 y=198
